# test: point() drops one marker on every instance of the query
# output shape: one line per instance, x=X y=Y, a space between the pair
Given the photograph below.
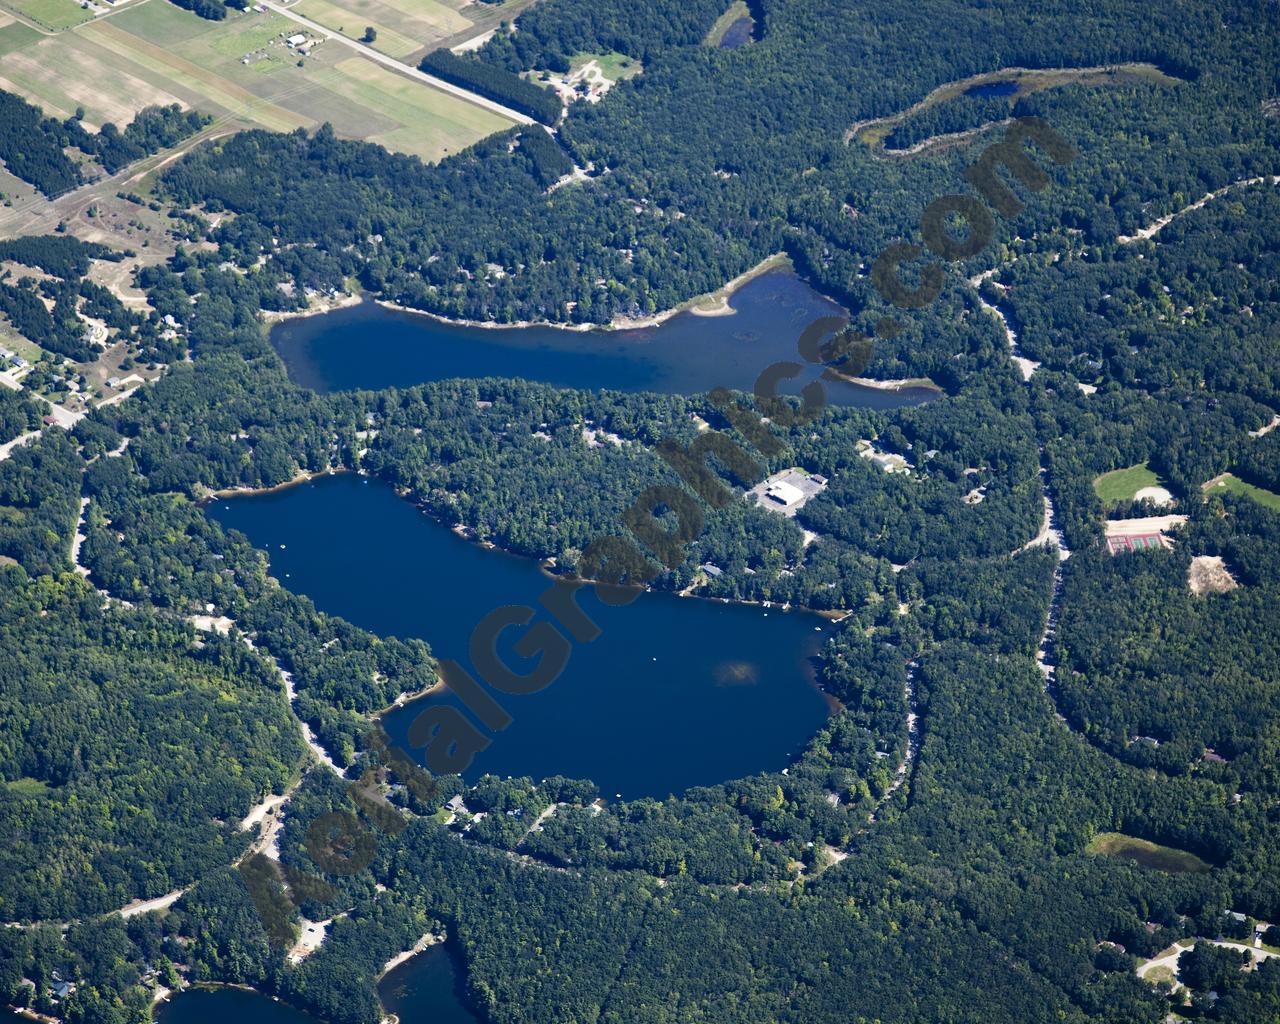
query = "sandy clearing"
x=1144 y=526
x=219 y=624
x=1208 y=574
x=427 y=940
x=1156 y=495
x=311 y=937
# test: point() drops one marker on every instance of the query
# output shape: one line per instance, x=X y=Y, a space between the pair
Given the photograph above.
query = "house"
x=711 y=570
x=456 y=804
x=62 y=989
x=295 y=40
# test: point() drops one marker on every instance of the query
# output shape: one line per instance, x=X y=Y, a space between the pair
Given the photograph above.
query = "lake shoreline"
x=352 y=553
x=900 y=384
x=546 y=563
x=422 y=945
x=713 y=303
x=303 y=477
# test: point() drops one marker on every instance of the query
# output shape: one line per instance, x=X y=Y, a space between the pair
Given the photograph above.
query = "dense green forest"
x=937 y=871
x=495 y=83
x=19 y=413
x=32 y=146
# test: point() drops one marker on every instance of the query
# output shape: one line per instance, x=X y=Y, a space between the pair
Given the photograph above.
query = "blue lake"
x=371 y=347
x=427 y=989
x=674 y=693
x=220 y=1005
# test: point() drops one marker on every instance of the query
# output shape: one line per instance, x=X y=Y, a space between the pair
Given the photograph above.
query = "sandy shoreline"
x=901 y=384
x=301 y=478
x=709 y=304
x=439 y=686
x=275 y=316
x=428 y=940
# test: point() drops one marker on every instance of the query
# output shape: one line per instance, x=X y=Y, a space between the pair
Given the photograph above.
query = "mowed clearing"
x=1148 y=854
x=1134 y=483
x=241 y=71
x=1232 y=484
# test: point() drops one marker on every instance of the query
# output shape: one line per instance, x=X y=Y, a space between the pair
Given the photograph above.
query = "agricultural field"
x=403 y=26
x=410 y=29
x=1148 y=854
x=1123 y=485
x=54 y=15
x=1231 y=484
x=242 y=71
x=430 y=129
x=14 y=35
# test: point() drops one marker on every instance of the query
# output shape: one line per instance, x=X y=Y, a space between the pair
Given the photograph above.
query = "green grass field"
x=1232 y=484
x=55 y=15
x=614 y=66
x=28 y=787
x=1122 y=484
x=1148 y=854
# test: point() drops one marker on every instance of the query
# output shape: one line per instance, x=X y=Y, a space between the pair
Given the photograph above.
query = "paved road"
x=404 y=69
x=7 y=449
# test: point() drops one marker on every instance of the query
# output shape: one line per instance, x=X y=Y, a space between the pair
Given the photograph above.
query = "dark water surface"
x=371 y=347
x=228 y=1006
x=673 y=693
x=738 y=34
x=426 y=989
x=992 y=89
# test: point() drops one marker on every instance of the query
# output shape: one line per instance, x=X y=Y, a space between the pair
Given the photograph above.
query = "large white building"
x=784 y=493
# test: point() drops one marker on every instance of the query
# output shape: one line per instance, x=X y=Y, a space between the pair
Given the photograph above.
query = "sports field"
x=1123 y=484
x=242 y=71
